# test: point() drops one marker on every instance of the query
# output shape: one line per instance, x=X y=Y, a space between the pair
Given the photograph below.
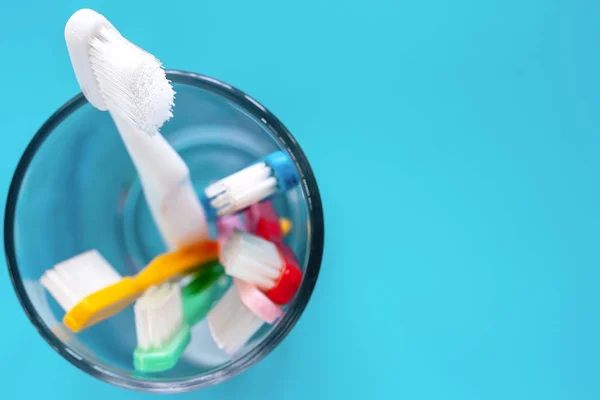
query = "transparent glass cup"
x=76 y=189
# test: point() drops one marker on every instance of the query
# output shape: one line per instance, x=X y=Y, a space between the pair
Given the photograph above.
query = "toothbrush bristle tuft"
x=242 y=189
x=133 y=82
x=158 y=315
x=252 y=259
x=72 y=280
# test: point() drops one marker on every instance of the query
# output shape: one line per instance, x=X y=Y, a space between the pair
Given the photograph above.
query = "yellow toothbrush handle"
x=168 y=265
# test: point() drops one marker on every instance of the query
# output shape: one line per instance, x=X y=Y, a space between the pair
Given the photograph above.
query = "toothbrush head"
x=133 y=82
x=84 y=25
x=70 y=281
x=116 y=75
x=269 y=266
x=272 y=174
x=290 y=279
x=162 y=333
x=238 y=315
x=252 y=259
x=284 y=170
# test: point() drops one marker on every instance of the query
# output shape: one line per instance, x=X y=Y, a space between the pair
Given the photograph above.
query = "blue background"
x=456 y=147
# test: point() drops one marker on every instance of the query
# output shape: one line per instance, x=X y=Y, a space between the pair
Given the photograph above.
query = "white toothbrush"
x=275 y=173
x=117 y=76
x=74 y=279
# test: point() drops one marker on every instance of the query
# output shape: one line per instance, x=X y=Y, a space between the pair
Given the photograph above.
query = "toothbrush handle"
x=167 y=186
x=178 y=215
x=155 y=160
x=168 y=265
x=262 y=220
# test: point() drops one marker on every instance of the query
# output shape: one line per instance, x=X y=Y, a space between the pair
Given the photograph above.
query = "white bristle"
x=158 y=315
x=242 y=189
x=256 y=171
x=231 y=323
x=252 y=259
x=72 y=280
x=132 y=81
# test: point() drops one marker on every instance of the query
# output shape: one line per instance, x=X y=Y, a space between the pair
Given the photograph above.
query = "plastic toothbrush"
x=116 y=75
x=90 y=290
x=275 y=173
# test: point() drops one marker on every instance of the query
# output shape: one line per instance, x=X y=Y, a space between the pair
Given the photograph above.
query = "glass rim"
x=308 y=186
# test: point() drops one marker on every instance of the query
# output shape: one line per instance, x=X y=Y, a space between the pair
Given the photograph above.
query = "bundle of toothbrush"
x=168 y=294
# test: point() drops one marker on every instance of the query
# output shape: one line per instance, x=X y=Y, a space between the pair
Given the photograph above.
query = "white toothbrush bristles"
x=242 y=189
x=72 y=280
x=257 y=171
x=252 y=259
x=132 y=81
x=158 y=316
x=231 y=323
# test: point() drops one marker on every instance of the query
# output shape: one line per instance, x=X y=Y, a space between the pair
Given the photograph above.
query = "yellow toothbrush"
x=112 y=293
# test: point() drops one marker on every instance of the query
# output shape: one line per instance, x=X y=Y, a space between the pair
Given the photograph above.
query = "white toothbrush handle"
x=178 y=214
x=165 y=179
